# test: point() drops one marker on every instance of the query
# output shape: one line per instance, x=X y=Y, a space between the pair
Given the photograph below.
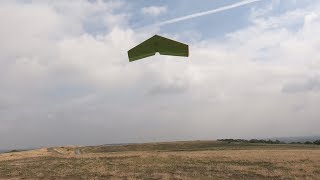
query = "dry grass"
x=261 y=162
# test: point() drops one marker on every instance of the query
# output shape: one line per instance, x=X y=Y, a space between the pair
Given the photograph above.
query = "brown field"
x=175 y=160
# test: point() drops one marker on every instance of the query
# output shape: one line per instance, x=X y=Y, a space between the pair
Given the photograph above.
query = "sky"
x=65 y=78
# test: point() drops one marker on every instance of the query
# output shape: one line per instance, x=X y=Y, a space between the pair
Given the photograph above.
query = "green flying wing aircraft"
x=159 y=44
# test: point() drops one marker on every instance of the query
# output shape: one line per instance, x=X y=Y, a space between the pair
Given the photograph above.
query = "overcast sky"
x=65 y=79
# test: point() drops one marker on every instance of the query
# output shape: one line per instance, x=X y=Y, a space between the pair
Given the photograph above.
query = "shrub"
x=317 y=142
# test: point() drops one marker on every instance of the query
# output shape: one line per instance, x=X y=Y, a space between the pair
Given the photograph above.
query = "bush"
x=317 y=142
x=308 y=142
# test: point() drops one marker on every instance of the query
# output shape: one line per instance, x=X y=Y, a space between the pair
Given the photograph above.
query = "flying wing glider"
x=159 y=44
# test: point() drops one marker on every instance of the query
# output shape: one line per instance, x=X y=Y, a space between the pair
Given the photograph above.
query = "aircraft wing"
x=159 y=44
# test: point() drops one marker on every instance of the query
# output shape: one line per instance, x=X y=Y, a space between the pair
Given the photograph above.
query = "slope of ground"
x=177 y=160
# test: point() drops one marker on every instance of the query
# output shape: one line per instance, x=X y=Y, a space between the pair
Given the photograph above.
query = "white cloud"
x=61 y=84
x=154 y=10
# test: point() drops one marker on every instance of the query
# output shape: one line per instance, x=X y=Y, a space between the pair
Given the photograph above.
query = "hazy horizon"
x=301 y=139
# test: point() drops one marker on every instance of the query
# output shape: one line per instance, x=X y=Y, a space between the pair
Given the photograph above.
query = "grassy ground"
x=178 y=160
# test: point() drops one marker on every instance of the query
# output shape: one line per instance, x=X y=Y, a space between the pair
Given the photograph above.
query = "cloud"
x=174 y=86
x=65 y=82
x=307 y=85
x=154 y=10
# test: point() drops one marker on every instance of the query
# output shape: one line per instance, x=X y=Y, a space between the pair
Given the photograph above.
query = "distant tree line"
x=317 y=142
x=262 y=141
